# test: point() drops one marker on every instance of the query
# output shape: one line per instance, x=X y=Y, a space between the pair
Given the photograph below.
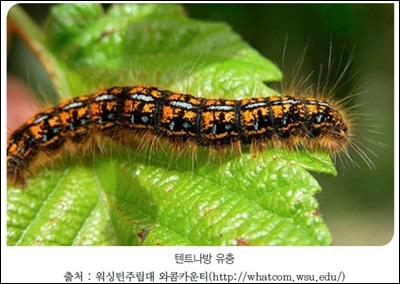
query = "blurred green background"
x=358 y=205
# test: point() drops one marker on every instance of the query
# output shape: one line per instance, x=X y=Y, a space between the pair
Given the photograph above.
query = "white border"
x=49 y=264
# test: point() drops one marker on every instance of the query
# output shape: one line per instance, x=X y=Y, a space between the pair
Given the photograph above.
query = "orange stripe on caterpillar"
x=287 y=122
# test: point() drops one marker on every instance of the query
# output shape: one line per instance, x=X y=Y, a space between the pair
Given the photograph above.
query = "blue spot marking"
x=145 y=119
x=214 y=129
x=171 y=126
x=319 y=118
x=256 y=125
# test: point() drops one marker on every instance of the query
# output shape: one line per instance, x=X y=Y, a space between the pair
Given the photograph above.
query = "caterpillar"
x=288 y=122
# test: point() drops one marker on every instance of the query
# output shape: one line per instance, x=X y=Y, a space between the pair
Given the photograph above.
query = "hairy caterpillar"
x=288 y=122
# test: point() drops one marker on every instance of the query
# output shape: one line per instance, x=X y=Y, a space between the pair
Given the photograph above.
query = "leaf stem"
x=29 y=32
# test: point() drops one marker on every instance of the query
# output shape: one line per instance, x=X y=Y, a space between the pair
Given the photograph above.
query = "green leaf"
x=160 y=196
